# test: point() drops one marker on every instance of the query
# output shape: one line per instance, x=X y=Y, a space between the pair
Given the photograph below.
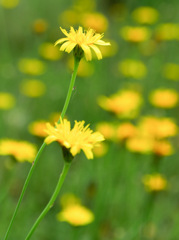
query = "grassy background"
x=119 y=200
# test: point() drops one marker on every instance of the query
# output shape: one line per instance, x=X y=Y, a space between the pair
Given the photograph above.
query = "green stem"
x=76 y=64
x=52 y=199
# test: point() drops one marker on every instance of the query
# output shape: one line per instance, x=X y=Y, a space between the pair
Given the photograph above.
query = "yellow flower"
x=76 y=215
x=154 y=182
x=135 y=34
x=158 y=128
x=145 y=15
x=101 y=150
x=125 y=130
x=76 y=139
x=163 y=148
x=9 y=3
x=132 y=68
x=7 y=100
x=48 y=51
x=37 y=128
x=106 y=129
x=31 y=66
x=21 y=150
x=85 y=41
x=95 y=20
x=32 y=88
x=164 y=98
x=140 y=144
x=167 y=32
x=125 y=103
x=171 y=71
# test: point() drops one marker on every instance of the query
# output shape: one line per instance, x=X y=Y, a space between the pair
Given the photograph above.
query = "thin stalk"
x=52 y=199
x=76 y=64
x=72 y=82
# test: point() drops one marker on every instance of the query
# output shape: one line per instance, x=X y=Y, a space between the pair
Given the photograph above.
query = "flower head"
x=21 y=150
x=31 y=66
x=154 y=182
x=7 y=100
x=76 y=215
x=158 y=128
x=164 y=98
x=135 y=34
x=145 y=15
x=76 y=139
x=37 y=128
x=124 y=103
x=32 y=88
x=81 y=41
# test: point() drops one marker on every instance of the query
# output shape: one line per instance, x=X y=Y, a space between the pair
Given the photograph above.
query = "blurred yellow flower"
x=94 y=20
x=158 y=127
x=76 y=139
x=140 y=144
x=171 y=71
x=39 y=26
x=20 y=150
x=125 y=103
x=164 y=98
x=32 y=88
x=31 y=66
x=76 y=215
x=101 y=150
x=37 y=128
x=80 y=40
x=145 y=15
x=9 y=3
x=167 y=32
x=132 y=68
x=7 y=101
x=85 y=69
x=163 y=148
x=125 y=130
x=106 y=129
x=154 y=182
x=135 y=34
x=49 y=52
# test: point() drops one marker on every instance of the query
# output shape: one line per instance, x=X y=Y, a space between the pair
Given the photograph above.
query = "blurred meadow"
x=130 y=190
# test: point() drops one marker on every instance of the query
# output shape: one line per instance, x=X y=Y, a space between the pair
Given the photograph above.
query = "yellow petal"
x=60 y=41
x=103 y=43
x=70 y=47
x=87 y=52
x=64 y=46
x=64 y=32
x=97 y=51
